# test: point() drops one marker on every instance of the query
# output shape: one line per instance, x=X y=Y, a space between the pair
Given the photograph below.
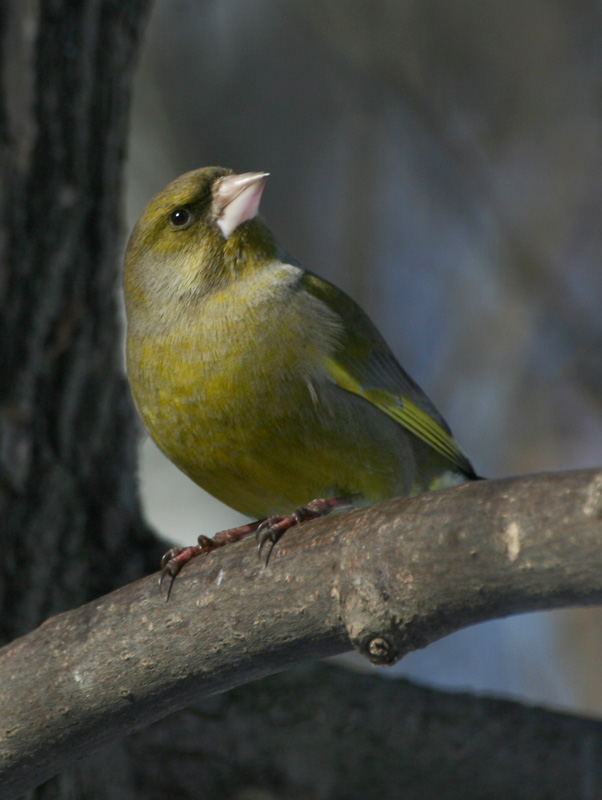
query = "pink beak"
x=236 y=199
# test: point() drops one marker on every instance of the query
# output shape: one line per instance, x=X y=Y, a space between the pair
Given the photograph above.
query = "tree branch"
x=387 y=579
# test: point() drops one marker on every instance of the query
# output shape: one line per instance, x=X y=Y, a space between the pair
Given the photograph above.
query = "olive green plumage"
x=264 y=383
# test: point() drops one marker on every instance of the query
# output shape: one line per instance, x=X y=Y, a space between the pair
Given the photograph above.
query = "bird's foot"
x=271 y=530
x=267 y=531
x=175 y=558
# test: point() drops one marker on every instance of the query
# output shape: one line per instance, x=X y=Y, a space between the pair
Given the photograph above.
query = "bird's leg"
x=273 y=528
x=175 y=558
x=267 y=530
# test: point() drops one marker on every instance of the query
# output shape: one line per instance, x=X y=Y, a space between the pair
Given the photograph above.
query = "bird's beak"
x=236 y=199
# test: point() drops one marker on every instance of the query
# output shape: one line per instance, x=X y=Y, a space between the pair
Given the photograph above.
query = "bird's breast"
x=229 y=390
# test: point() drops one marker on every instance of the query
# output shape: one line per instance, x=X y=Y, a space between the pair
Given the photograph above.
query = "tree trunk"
x=71 y=526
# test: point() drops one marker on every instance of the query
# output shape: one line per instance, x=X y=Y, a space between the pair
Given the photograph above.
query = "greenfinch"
x=265 y=384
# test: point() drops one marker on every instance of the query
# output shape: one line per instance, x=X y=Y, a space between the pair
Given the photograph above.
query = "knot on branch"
x=370 y=608
x=372 y=629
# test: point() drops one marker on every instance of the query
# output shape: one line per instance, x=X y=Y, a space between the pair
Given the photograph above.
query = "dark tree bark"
x=321 y=732
x=71 y=527
x=70 y=520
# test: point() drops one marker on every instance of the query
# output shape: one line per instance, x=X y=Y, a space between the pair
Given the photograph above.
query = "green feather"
x=364 y=365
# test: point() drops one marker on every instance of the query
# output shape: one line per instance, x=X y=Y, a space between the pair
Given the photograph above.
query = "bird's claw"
x=176 y=557
x=273 y=528
x=269 y=530
x=173 y=561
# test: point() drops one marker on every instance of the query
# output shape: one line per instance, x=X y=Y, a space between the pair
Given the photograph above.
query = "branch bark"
x=387 y=580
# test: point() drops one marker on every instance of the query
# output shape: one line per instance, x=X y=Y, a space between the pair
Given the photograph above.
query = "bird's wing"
x=364 y=365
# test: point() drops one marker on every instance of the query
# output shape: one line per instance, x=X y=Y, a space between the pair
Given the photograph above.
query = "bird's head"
x=197 y=235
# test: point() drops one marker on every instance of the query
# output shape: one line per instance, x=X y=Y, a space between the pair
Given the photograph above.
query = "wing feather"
x=364 y=365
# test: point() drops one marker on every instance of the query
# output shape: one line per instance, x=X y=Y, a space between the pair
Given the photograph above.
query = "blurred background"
x=441 y=162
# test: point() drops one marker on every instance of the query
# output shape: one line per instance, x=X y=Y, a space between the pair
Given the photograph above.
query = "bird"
x=264 y=383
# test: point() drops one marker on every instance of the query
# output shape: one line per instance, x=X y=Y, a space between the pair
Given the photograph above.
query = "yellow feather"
x=402 y=410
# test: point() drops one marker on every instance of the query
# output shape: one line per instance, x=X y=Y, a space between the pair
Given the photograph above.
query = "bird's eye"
x=180 y=218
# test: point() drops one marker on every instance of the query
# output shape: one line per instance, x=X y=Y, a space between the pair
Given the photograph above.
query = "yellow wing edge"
x=403 y=411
